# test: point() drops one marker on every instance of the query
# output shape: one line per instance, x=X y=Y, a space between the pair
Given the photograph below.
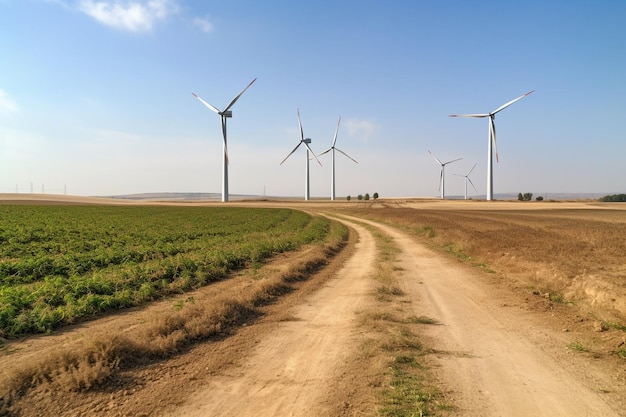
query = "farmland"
x=429 y=305
x=60 y=264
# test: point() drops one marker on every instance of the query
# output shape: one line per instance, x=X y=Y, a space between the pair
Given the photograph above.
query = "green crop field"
x=62 y=263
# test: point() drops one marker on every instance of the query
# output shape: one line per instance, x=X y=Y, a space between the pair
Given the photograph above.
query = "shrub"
x=614 y=198
x=348 y=198
x=375 y=196
x=367 y=196
x=539 y=198
x=360 y=197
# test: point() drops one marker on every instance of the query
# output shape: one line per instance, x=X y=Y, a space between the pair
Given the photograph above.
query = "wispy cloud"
x=6 y=104
x=133 y=16
x=204 y=24
x=363 y=129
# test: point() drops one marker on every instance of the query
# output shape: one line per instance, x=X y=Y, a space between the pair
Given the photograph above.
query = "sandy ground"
x=492 y=355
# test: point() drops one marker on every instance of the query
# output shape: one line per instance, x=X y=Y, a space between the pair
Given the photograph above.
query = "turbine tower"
x=442 y=183
x=492 y=139
x=224 y=114
x=307 y=141
x=467 y=178
x=335 y=148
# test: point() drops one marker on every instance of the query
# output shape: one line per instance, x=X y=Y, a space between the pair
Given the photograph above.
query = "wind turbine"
x=442 y=176
x=335 y=148
x=467 y=178
x=492 y=139
x=224 y=114
x=306 y=142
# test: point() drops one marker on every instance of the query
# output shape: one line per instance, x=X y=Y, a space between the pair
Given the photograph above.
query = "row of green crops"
x=61 y=263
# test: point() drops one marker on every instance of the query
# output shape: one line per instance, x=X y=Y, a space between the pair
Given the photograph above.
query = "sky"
x=96 y=95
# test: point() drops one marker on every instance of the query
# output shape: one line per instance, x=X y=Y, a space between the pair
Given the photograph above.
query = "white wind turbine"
x=492 y=139
x=307 y=194
x=335 y=148
x=442 y=184
x=224 y=114
x=467 y=178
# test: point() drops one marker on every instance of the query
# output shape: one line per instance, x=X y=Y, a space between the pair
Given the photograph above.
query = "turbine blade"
x=433 y=155
x=313 y=153
x=336 y=131
x=238 y=95
x=290 y=153
x=440 y=179
x=206 y=104
x=504 y=106
x=470 y=171
x=470 y=181
x=326 y=151
x=492 y=134
x=346 y=155
x=469 y=115
x=454 y=160
x=300 y=126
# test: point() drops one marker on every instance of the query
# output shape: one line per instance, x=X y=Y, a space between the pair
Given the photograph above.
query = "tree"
x=520 y=197
x=367 y=196
x=375 y=196
x=348 y=198
x=528 y=196
x=360 y=197
x=539 y=198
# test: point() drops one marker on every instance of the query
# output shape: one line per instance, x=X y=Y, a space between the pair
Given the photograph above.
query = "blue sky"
x=95 y=95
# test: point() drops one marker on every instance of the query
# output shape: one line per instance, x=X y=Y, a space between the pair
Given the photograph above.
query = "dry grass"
x=576 y=254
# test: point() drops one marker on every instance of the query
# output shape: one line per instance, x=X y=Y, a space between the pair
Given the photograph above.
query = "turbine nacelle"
x=227 y=113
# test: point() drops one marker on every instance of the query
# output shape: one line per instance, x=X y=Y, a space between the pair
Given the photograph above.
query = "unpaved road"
x=494 y=359
x=294 y=369
x=497 y=359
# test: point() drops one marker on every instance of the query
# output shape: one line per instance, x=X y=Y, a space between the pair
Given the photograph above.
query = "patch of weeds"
x=578 y=347
x=621 y=352
x=178 y=305
x=406 y=394
x=423 y=320
x=401 y=338
x=455 y=251
x=386 y=293
x=556 y=297
x=613 y=325
x=427 y=231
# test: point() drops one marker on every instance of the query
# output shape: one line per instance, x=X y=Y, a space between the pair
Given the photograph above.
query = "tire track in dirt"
x=491 y=357
x=292 y=372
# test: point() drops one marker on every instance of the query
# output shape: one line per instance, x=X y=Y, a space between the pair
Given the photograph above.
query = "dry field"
x=573 y=251
x=543 y=284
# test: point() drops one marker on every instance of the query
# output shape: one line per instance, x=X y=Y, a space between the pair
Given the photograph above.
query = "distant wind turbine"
x=307 y=194
x=492 y=139
x=442 y=184
x=335 y=148
x=467 y=178
x=224 y=114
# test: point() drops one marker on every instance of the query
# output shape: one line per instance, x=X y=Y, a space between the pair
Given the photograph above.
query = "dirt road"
x=293 y=371
x=494 y=358
x=497 y=359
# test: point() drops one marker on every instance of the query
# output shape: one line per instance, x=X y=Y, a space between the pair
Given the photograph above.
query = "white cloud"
x=204 y=24
x=6 y=104
x=363 y=129
x=133 y=16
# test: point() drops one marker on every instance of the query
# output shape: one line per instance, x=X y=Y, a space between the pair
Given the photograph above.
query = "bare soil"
x=503 y=346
